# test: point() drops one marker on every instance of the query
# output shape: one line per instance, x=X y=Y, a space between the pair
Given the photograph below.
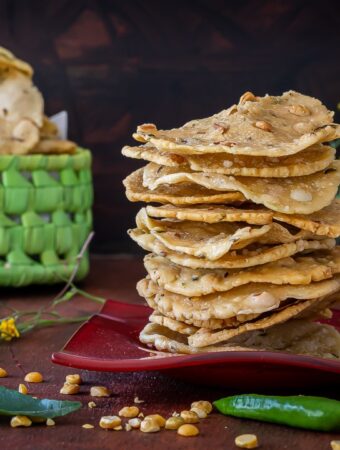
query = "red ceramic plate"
x=109 y=342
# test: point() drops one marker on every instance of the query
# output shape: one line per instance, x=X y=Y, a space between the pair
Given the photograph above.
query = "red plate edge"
x=141 y=312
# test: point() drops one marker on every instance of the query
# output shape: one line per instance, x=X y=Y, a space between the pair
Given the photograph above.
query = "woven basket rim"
x=81 y=159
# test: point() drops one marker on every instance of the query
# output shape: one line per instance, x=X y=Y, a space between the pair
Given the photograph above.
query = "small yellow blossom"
x=8 y=329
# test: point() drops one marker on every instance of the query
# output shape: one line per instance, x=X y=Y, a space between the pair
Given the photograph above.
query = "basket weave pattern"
x=45 y=216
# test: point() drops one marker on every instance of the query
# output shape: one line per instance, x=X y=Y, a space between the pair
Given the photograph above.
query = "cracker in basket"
x=252 y=214
x=9 y=61
x=21 y=113
x=49 y=129
x=296 y=195
x=182 y=194
x=232 y=260
x=18 y=138
x=204 y=337
x=306 y=162
x=54 y=146
x=20 y=100
x=197 y=282
x=263 y=126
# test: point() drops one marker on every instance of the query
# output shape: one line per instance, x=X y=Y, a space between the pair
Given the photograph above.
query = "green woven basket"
x=45 y=217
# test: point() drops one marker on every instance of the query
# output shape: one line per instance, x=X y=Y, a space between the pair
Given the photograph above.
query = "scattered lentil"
x=129 y=411
x=69 y=389
x=173 y=423
x=74 y=379
x=149 y=425
x=99 y=391
x=20 y=421
x=189 y=416
x=188 y=430
x=110 y=422
x=22 y=389
x=34 y=377
x=203 y=404
x=246 y=441
x=158 y=418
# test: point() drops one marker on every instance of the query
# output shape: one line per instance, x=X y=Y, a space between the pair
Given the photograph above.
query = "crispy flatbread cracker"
x=10 y=62
x=18 y=138
x=20 y=100
x=296 y=195
x=306 y=162
x=232 y=260
x=294 y=336
x=325 y=222
x=182 y=194
x=204 y=337
x=298 y=336
x=165 y=339
x=269 y=126
x=198 y=282
x=152 y=154
x=212 y=324
x=154 y=297
x=54 y=146
x=247 y=300
x=252 y=214
x=175 y=325
x=49 y=129
x=21 y=113
x=212 y=241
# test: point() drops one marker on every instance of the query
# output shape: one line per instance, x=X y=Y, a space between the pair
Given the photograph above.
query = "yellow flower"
x=8 y=329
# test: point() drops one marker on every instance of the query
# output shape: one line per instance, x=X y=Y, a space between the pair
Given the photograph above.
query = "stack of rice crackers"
x=242 y=246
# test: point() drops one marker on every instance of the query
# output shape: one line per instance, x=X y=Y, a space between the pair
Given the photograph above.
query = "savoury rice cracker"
x=240 y=224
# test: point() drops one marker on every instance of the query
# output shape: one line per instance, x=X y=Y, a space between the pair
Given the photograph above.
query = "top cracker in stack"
x=243 y=252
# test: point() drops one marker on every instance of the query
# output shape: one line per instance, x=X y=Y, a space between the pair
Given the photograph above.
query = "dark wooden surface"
x=114 y=64
x=115 y=278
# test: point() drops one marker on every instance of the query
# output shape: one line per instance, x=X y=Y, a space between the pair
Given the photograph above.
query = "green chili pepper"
x=313 y=413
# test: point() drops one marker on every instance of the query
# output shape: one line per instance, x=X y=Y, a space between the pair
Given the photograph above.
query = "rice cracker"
x=265 y=126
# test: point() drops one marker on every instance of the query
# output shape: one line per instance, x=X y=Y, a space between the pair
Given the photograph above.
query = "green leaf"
x=12 y=403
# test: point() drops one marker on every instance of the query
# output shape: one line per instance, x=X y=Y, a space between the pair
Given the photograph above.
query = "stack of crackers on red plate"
x=24 y=129
x=242 y=243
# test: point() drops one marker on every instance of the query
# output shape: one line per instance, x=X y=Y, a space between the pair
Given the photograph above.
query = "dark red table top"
x=113 y=277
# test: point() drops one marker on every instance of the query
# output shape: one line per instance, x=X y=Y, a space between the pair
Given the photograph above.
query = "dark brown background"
x=115 y=64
